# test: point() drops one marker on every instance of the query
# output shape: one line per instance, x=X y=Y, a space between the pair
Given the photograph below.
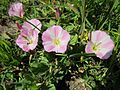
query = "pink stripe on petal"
x=21 y=39
x=50 y=32
x=107 y=55
x=57 y=31
x=26 y=25
x=104 y=53
x=97 y=36
x=65 y=36
x=49 y=48
x=24 y=32
x=109 y=44
x=62 y=49
x=46 y=36
x=47 y=43
x=26 y=48
x=32 y=46
x=88 y=48
x=35 y=37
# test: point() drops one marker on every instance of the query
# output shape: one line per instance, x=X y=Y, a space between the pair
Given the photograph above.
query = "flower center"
x=96 y=47
x=56 y=42
x=30 y=41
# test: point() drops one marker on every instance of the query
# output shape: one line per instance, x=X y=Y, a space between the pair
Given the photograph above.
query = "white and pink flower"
x=28 y=38
x=55 y=39
x=100 y=43
x=16 y=9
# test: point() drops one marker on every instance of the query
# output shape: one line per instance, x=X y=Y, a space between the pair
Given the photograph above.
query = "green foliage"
x=39 y=70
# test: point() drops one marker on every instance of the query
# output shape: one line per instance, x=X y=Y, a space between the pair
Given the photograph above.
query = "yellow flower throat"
x=56 y=41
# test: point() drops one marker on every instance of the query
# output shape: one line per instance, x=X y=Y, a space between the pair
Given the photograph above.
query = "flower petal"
x=49 y=48
x=26 y=48
x=22 y=43
x=109 y=44
x=46 y=36
x=98 y=36
x=88 y=48
x=56 y=30
x=35 y=22
x=61 y=49
x=104 y=53
x=65 y=36
x=16 y=9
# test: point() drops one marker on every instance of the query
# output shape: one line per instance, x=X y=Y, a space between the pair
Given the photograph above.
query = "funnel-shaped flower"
x=32 y=24
x=27 y=40
x=55 y=39
x=16 y=9
x=100 y=43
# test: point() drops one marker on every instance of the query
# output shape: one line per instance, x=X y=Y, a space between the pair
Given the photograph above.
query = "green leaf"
x=74 y=39
x=51 y=23
x=52 y=87
x=34 y=64
x=40 y=68
x=69 y=27
x=33 y=87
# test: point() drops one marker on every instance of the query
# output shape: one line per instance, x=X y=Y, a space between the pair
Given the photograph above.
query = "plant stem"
x=83 y=16
x=81 y=54
x=82 y=11
x=29 y=23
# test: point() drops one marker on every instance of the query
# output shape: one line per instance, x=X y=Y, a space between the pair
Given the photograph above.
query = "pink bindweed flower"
x=16 y=9
x=27 y=40
x=35 y=22
x=100 y=43
x=55 y=39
